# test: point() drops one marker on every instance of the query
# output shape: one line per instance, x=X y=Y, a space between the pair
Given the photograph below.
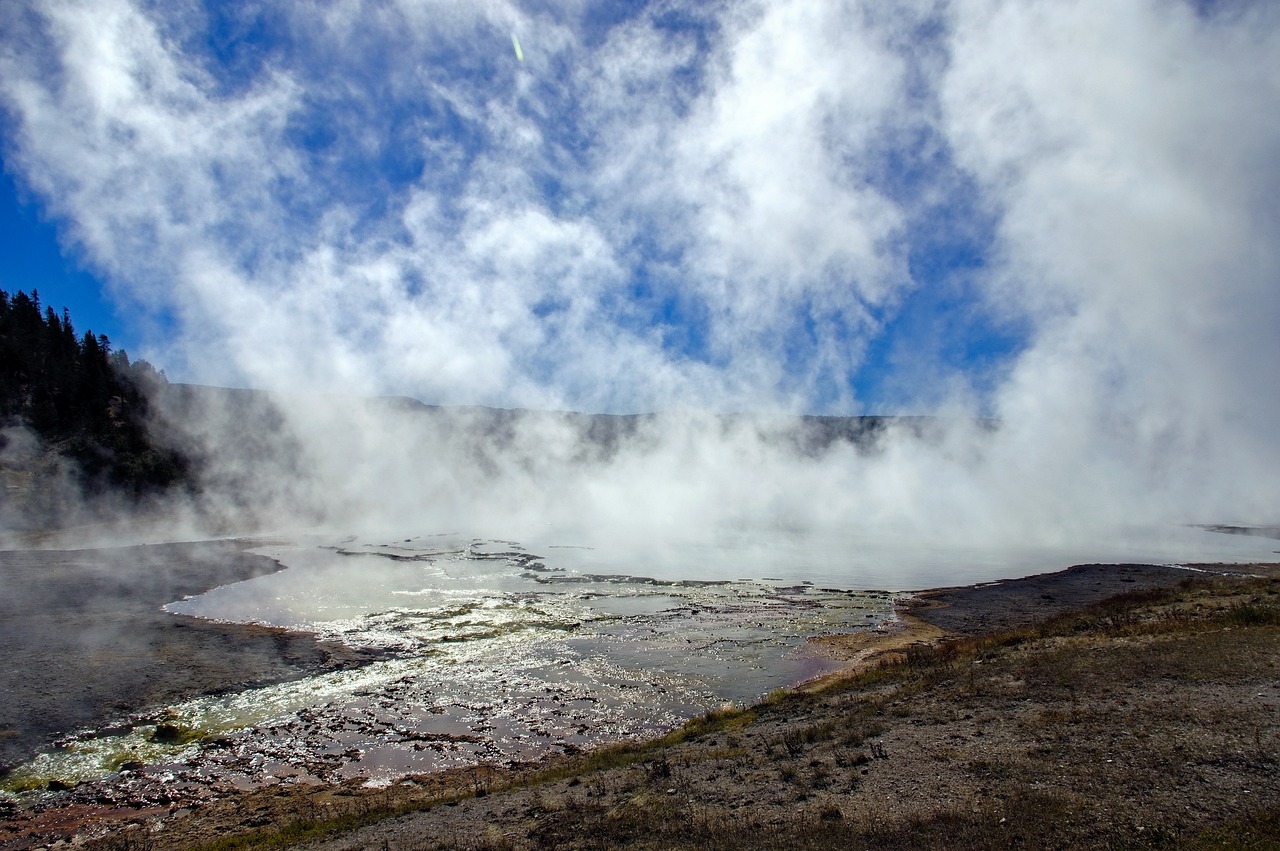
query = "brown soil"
x=1151 y=719
x=859 y=651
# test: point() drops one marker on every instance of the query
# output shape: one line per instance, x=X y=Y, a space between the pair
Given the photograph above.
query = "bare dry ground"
x=1149 y=719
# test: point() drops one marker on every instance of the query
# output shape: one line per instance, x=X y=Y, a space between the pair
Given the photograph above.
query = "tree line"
x=85 y=401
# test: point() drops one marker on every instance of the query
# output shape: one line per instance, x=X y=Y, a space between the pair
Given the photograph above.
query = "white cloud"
x=774 y=159
x=1132 y=149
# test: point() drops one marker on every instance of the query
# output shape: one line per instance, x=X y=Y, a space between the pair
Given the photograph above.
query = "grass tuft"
x=1253 y=614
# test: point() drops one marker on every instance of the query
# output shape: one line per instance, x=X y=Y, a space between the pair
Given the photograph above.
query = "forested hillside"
x=83 y=401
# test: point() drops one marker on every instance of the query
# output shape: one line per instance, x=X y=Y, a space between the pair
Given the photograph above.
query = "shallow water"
x=493 y=654
x=501 y=654
x=502 y=651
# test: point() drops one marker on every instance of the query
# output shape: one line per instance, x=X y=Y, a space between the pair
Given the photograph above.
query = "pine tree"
x=83 y=399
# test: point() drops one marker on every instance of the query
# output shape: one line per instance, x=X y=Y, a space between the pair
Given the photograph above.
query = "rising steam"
x=691 y=212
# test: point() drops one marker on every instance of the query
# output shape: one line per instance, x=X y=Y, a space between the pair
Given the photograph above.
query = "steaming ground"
x=501 y=543
x=880 y=494
x=518 y=583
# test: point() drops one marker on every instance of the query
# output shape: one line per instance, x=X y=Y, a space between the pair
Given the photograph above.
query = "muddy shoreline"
x=936 y=614
x=1016 y=603
x=85 y=641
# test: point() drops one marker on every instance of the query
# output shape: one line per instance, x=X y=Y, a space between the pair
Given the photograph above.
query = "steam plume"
x=1058 y=218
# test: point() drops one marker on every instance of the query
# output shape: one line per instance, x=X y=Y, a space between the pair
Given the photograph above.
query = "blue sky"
x=830 y=207
x=34 y=260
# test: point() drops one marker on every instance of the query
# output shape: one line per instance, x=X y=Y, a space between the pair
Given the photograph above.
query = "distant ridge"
x=806 y=434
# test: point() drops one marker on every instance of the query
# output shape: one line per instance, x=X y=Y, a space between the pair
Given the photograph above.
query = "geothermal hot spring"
x=499 y=651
